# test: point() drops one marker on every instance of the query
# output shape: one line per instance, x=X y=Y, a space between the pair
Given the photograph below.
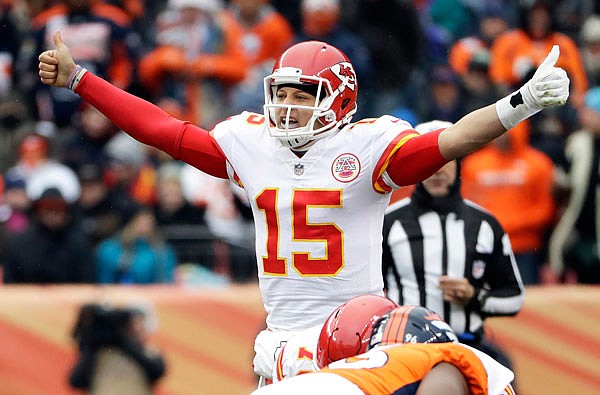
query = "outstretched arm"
x=141 y=119
x=548 y=87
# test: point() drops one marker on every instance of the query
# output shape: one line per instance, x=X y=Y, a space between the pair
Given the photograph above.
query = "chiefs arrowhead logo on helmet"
x=345 y=72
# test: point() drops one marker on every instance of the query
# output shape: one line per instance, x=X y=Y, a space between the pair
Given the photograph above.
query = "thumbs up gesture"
x=56 y=65
x=549 y=86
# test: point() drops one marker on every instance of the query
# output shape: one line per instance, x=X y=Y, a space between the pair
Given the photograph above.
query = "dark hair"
x=311 y=89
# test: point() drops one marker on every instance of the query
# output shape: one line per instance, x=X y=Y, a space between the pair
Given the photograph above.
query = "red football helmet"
x=411 y=324
x=348 y=329
x=330 y=71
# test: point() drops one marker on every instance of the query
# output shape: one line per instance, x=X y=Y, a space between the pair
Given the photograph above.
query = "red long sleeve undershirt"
x=150 y=125
x=416 y=160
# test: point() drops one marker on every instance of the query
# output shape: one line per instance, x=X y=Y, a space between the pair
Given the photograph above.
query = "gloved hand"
x=548 y=87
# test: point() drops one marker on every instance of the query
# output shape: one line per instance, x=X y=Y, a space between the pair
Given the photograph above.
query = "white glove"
x=266 y=348
x=548 y=87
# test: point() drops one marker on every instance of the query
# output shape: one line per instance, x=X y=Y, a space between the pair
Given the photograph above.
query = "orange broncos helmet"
x=411 y=324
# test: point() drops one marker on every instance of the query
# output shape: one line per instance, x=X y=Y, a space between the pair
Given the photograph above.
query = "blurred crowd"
x=80 y=201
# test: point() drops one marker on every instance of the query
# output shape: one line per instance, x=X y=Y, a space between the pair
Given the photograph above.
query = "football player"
x=346 y=332
x=411 y=351
x=318 y=184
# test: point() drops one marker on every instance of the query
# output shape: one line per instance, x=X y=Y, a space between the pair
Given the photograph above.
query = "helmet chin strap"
x=303 y=143
x=301 y=147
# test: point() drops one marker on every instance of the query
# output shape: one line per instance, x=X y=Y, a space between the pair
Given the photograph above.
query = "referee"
x=451 y=256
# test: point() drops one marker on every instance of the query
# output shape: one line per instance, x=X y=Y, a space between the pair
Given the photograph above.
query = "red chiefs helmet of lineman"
x=325 y=72
x=348 y=329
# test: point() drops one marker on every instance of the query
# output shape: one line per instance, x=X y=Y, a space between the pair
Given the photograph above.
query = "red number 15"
x=302 y=230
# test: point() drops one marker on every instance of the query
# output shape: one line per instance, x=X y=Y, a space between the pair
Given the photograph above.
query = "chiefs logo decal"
x=345 y=72
x=345 y=168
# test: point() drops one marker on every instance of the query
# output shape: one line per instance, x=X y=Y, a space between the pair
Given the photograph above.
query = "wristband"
x=75 y=76
x=514 y=108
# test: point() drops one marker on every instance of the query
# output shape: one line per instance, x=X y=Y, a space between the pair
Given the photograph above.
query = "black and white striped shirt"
x=462 y=240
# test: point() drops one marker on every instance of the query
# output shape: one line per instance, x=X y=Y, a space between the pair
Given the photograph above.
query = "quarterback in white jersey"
x=318 y=183
x=318 y=218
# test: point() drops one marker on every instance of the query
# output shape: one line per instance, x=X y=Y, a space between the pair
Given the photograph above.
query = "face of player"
x=438 y=185
x=289 y=95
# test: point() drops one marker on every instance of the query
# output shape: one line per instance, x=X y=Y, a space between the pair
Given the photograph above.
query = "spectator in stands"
x=32 y=152
x=198 y=58
x=15 y=112
x=574 y=242
x=492 y=21
x=478 y=88
x=183 y=224
x=15 y=205
x=517 y=52
x=85 y=142
x=590 y=48
x=469 y=57
x=321 y=21
x=514 y=56
x=115 y=356
x=53 y=250
x=514 y=182
x=14 y=211
x=10 y=38
x=443 y=98
x=453 y=16
x=102 y=40
x=265 y=34
x=138 y=254
x=40 y=171
x=101 y=210
x=129 y=170
x=172 y=207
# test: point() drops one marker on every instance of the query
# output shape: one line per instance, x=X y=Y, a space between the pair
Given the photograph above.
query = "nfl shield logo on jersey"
x=298 y=169
x=345 y=167
x=478 y=269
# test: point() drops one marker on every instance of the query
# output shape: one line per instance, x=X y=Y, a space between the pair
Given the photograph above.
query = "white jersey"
x=297 y=355
x=499 y=377
x=318 y=218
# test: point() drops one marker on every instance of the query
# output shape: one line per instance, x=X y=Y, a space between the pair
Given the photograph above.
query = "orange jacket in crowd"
x=267 y=39
x=462 y=51
x=120 y=70
x=515 y=185
x=227 y=66
x=514 y=51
